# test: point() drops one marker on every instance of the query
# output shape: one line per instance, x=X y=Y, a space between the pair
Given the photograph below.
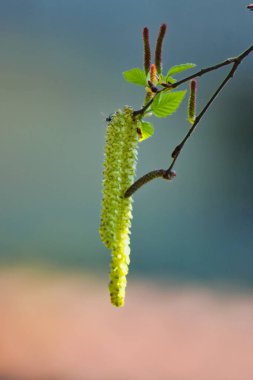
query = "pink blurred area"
x=61 y=326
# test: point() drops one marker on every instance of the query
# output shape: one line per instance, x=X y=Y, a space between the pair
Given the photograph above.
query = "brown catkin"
x=158 y=49
x=147 y=50
x=192 y=101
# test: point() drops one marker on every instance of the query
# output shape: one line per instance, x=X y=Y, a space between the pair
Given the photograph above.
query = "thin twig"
x=199 y=73
x=168 y=173
x=143 y=109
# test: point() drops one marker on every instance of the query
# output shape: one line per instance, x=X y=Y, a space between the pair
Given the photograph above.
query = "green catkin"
x=116 y=214
x=111 y=180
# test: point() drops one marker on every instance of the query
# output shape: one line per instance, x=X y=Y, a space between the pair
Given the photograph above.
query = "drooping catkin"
x=111 y=180
x=116 y=214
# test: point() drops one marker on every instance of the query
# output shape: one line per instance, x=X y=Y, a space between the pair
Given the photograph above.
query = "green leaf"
x=179 y=68
x=136 y=76
x=170 y=79
x=164 y=79
x=147 y=130
x=165 y=104
x=161 y=78
x=148 y=113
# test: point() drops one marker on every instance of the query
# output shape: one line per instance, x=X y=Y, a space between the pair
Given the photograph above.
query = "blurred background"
x=189 y=306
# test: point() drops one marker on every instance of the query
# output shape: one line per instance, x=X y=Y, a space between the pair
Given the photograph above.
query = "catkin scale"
x=116 y=213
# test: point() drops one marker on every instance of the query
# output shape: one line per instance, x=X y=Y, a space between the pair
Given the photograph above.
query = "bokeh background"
x=190 y=302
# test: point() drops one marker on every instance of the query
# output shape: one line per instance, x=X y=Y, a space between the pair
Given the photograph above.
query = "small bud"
x=169 y=175
x=176 y=151
x=172 y=174
x=158 y=49
x=152 y=87
x=147 y=51
x=192 y=101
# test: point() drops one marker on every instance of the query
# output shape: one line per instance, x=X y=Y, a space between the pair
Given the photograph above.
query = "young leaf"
x=148 y=114
x=161 y=78
x=136 y=76
x=164 y=78
x=165 y=104
x=170 y=79
x=147 y=130
x=179 y=68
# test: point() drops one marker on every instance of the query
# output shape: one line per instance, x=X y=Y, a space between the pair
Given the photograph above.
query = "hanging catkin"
x=116 y=214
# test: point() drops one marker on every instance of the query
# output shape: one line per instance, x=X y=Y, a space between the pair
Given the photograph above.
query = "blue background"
x=60 y=76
